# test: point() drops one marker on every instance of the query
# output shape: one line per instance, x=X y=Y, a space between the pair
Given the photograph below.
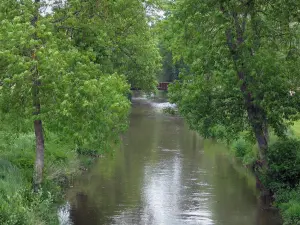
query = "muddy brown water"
x=165 y=174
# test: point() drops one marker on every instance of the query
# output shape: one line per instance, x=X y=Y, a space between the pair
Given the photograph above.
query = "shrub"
x=284 y=163
x=241 y=148
x=12 y=210
x=86 y=152
x=18 y=205
x=218 y=132
x=288 y=200
x=25 y=208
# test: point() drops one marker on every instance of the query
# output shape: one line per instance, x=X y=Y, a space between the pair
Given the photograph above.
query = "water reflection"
x=165 y=174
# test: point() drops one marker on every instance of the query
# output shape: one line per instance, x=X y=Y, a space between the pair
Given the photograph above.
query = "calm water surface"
x=164 y=174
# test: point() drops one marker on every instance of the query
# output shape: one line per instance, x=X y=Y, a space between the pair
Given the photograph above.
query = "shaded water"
x=165 y=174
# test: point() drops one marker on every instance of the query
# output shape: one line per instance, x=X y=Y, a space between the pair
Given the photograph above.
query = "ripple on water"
x=162 y=105
x=64 y=215
x=203 y=218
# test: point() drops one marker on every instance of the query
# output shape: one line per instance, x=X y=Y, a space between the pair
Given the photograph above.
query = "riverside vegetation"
x=239 y=82
x=66 y=69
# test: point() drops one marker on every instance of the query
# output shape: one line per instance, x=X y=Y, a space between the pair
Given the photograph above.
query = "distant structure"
x=163 y=86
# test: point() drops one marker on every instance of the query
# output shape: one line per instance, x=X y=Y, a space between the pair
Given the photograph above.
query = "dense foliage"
x=284 y=164
x=65 y=75
x=66 y=70
x=283 y=178
x=118 y=35
x=240 y=81
x=241 y=66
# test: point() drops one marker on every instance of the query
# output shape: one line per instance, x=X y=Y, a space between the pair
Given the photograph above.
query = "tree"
x=170 y=70
x=242 y=66
x=46 y=81
x=119 y=33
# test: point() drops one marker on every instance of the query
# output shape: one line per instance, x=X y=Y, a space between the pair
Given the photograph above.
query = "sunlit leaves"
x=118 y=33
x=209 y=92
x=79 y=99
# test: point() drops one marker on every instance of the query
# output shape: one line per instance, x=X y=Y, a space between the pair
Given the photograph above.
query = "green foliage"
x=241 y=75
x=296 y=128
x=284 y=163
x=71 y=69
x=170 y=70
x=291 y=213
x=245 y=150
x=79 y=53
x=288 y=200
x=19 y=151
x=234 y=77
x=88 y=152
x=26 y=208
x=17 y=204
x=241 y=147
x=218 y=132
x=118 y=33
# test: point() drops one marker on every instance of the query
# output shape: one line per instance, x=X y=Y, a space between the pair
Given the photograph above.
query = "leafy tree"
x=119 y=33
x=242 y=65
x=170 y=70
x=46 y=80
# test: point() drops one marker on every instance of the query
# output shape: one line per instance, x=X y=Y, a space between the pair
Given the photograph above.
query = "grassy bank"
x=283 y=176
x=296 y=129
x=18 y=204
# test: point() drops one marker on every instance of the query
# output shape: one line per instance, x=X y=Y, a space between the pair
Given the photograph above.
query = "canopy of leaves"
x=79 y=59
x=209 y=93
x=118 y=32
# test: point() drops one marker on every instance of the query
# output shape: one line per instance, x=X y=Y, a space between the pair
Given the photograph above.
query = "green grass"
x=18 y=204
x=296 y=128
x=287 y=198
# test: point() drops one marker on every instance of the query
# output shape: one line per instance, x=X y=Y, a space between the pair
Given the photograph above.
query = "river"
x=165 y=174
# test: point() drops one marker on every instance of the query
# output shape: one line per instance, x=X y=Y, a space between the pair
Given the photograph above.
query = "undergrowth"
x=283 y=176
x=18 y=204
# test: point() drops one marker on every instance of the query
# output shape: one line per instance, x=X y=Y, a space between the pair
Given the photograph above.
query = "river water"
x=165 y=174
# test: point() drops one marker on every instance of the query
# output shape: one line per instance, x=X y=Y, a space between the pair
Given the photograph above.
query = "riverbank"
x=296 y=128
x=18 y=204
x=282 y=177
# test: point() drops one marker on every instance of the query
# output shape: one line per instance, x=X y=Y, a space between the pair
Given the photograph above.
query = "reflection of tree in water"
x=82 y=213
x=114 y=183
x=267 y=215
x=234 y=199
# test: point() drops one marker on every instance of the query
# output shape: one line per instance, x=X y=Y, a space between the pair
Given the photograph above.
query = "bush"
x=241 y=148
x=218 y=132
x=284 y=164
x=24 y=208
x=18 y=205
x=288 y=201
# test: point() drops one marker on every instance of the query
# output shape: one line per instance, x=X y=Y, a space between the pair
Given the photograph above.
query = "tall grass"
x=18 y=204
x=296 y=128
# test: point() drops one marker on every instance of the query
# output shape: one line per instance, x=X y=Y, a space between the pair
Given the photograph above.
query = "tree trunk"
x=39 y=161
x=38 y=127
x=256 y=119
x=235 y=37
x=259 y=127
